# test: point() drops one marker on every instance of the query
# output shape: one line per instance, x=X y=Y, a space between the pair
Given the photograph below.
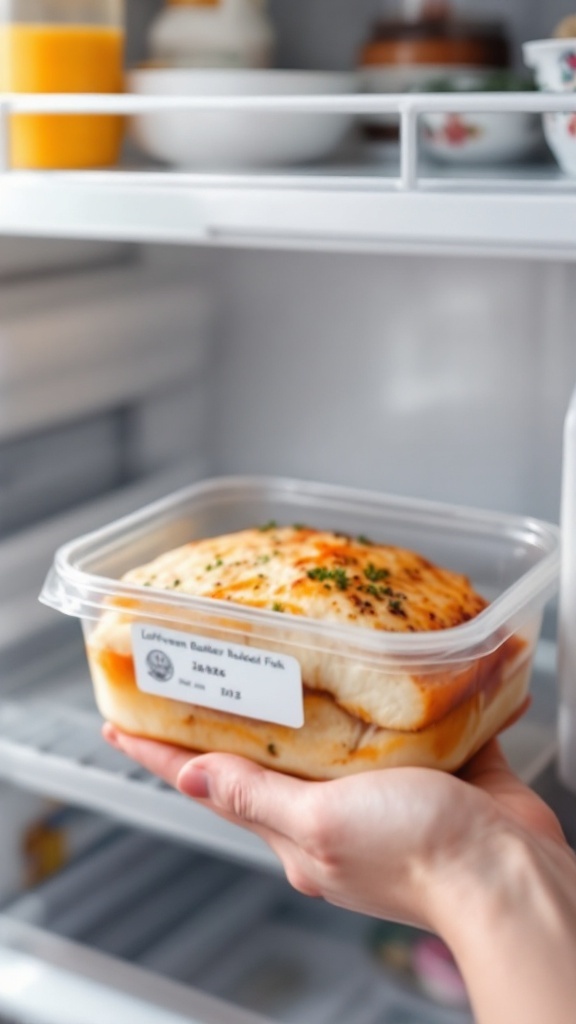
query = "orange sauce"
x=118 y=668
x=38 y=58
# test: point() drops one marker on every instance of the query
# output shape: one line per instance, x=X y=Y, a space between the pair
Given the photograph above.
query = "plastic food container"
x=254 y=674
x=58 y=46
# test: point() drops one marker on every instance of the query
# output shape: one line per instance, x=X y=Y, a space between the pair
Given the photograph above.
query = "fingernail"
x=194 y=782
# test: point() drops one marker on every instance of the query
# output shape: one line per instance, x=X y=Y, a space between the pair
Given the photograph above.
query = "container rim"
x=76 y=592
x=537 y=46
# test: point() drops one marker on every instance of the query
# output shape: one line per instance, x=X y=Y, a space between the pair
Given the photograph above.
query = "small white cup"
x=554 y=64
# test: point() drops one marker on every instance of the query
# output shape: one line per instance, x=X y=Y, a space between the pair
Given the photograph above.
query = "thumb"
x=248 y=793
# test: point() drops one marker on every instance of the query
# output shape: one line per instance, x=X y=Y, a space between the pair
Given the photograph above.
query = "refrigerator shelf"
x=225 y=932
x=50 y=743
x=527 y=213
x=48 y=980
x=403 y=205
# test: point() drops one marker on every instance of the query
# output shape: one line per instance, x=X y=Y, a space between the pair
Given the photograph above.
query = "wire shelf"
x=50 y=743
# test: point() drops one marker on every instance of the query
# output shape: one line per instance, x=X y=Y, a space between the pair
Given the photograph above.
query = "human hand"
x=379 y=843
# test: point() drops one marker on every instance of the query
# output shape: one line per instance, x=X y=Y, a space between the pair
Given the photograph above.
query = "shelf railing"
x=407 y=107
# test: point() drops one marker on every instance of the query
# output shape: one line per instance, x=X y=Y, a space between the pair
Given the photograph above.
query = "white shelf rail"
x=352 y=202
x=408 y=107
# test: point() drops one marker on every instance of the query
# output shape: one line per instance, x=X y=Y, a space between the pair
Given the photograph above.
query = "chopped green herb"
x=364 y=540
x=271 y=525
x=379 y=592
x=277 y=607
x=177 y=583
x=319 y=573
x=263 y=559
x=214 y=565
x=299 y=526
x=272 y=750
x=375 y=575
x=322 y=574
x=341 y=579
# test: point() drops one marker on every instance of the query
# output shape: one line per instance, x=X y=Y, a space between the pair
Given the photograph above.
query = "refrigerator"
x=371 y=321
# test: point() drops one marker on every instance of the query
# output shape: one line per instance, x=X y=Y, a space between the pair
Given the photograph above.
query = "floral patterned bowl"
x=554 y=64
x=481 y=137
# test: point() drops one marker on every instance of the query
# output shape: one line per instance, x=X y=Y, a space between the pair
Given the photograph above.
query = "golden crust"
x=320 y=575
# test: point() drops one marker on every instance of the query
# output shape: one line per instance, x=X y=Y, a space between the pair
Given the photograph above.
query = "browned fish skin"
x=318 y=574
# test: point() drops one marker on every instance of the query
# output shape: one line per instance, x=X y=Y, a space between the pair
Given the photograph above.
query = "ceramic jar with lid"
x=404 y=53
x=212 y=33
x=62 y=46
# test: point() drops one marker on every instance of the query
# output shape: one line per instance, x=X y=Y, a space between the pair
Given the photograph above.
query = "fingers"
x=236 y=788
x=161 y=759
x=487 y=761
x=252 y=795
x=490 y=759
x=177 y=767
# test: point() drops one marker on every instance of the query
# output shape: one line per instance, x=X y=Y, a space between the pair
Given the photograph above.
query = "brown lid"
x=438 y=27
x=438 y=38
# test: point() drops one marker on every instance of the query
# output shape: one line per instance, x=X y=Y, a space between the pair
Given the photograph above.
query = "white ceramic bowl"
x=554 y=64
x=238 y=139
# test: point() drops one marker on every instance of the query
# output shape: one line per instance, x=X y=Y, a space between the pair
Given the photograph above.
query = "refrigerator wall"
x=431 y=376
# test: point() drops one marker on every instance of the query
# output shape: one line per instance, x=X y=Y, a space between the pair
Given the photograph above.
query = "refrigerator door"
x=567 y=608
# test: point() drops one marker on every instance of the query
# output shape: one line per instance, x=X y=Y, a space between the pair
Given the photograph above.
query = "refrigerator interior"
x=234 y=935
x=128 y=370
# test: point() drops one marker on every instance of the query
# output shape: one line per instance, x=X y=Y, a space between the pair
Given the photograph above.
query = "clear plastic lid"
x=513 y=561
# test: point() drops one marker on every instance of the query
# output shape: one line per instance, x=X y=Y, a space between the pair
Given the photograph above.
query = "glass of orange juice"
x=62 y=46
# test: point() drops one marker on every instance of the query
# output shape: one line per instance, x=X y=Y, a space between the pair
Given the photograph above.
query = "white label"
x=220 y=675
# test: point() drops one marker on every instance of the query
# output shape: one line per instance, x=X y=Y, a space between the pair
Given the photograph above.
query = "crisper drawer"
x=141 y=930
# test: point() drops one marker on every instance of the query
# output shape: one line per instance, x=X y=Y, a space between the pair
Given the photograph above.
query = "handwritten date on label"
x=210 y=670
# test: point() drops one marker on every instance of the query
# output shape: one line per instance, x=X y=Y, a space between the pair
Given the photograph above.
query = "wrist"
x=507 y=910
